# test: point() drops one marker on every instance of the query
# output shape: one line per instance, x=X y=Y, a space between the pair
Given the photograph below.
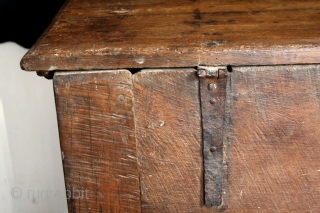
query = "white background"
x=31 y=174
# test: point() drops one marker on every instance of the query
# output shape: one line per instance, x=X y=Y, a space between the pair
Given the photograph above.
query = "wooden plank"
x=274 y=161
x=97 y=135
x=168 y=129
x=96 y=34
x=272 y=140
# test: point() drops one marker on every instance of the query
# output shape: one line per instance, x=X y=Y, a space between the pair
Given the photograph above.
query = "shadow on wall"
x=31 y=174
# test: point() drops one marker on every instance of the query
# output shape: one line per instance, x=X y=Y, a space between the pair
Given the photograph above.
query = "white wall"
x=31 y=174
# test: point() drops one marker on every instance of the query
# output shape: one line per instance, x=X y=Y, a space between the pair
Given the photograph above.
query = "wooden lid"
x=99 y=34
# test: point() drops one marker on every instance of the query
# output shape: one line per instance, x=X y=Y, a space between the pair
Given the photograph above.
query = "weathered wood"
x=272 y=116
x=169 y=145
x=97 y=135
x=275 y=165
x=96 y=34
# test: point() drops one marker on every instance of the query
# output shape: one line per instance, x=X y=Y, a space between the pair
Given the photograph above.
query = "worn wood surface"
x=273 y=137
x=168 y=130
x=98 y=34
x=275 y=164
x=97 y=135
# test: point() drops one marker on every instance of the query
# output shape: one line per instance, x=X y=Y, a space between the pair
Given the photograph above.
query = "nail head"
x=212 y=149
x=212 y=86
x=213 y=101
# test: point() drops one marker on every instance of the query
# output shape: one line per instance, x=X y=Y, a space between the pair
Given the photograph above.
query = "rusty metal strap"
x=213 y=83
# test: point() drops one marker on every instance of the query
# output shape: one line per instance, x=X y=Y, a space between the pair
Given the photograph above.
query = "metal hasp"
x=213 y=82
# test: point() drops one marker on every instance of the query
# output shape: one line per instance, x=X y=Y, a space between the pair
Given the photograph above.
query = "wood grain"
x=97 y=135
x=275 y=165
x=273 y=137
x=168 y=130
x=97 y=34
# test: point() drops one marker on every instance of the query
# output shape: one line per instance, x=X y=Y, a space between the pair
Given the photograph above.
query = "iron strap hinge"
x=213 y=82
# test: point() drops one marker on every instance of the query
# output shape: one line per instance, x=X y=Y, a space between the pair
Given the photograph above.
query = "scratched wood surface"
x=275 y=164
x=97 y=135
x=98 y=34
x=168 y=130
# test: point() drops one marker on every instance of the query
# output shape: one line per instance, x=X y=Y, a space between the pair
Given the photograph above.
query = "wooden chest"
x=186 y=106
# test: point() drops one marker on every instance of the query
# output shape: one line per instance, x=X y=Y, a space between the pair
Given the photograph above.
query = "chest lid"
x=97 y=34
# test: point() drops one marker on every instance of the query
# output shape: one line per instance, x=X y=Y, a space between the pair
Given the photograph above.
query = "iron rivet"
x=212 y=86
x=212 y=149
x=121 y=98
x=213 y=101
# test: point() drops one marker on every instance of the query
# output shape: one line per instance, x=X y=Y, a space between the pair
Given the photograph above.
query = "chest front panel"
x=271 y=142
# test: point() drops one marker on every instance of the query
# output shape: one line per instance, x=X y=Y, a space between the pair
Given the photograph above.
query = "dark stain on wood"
x=210 y=22
x=213 y=43
x=213 y=34
x=197 y=14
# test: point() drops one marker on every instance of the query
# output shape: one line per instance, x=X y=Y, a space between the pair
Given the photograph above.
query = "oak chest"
x=186 y=106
